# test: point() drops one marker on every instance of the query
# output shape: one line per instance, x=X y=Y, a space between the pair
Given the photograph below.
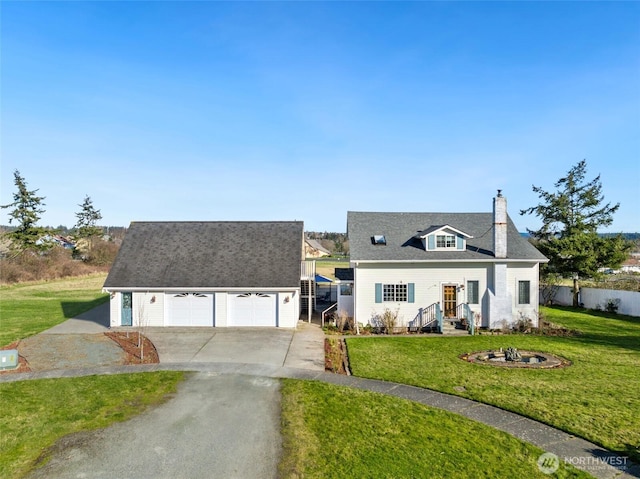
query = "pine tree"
x=568 y=235
x=85 y=229
x=27 y=208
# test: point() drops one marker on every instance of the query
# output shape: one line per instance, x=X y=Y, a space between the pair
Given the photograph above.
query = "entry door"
x=126 y=310
x=450 y=301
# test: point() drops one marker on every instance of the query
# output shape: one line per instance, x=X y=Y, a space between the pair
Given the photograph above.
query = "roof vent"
x=378 y=240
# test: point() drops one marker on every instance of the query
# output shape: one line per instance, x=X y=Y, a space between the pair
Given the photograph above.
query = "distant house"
x=631 y=265
x=207 y=274
x=449 y=265
x=313 y=249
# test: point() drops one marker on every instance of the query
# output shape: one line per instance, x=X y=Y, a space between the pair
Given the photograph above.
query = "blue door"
x=126 y=309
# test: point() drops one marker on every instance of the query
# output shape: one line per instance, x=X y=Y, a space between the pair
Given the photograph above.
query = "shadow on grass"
x=83 y=309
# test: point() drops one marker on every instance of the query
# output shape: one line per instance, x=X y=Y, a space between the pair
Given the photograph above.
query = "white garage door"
x=252 y=309
x=190 y=309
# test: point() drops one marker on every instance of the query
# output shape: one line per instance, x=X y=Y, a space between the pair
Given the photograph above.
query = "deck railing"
x=426 y=318
x=464 y=313
x=308 y=270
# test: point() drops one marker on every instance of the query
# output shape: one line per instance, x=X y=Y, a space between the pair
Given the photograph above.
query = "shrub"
x=387 y=321
x=343 y=321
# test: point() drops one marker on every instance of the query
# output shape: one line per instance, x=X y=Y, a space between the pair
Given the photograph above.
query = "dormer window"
x=445 y=241
x=443 y=237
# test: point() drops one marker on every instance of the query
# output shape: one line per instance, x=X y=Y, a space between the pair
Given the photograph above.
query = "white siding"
x=148 y=309
x=114 y=310
x=220 y=310
x=524 y=272
x=288 y=309
x=429 y=280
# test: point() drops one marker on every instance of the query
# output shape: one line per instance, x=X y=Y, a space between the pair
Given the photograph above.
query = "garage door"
x=252 y=309
x=190 y=309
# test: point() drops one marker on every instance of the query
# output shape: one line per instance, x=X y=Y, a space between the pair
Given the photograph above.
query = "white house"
x=452 y=265
x=207 y=274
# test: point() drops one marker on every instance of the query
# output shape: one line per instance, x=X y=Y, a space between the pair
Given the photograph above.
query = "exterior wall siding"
x=429 y=280
x=151 y=308
x=114 y=310
x=524 y=272
x=288 y=309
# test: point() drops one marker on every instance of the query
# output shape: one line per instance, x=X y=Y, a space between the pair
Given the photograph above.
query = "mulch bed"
x=336 y=359
x=128 y=341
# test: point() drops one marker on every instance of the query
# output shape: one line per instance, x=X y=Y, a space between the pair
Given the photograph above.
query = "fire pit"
x=513 y=358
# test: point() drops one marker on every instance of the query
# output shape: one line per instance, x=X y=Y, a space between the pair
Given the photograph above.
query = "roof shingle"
x=209 y=255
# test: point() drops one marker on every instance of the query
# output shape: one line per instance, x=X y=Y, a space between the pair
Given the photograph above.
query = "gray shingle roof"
x=400 y=229
x=209 y=255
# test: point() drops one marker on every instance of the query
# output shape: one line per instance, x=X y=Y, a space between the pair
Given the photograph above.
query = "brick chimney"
x=500 y=226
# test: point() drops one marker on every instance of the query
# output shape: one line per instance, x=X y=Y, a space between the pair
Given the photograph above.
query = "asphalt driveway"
x=217 y=426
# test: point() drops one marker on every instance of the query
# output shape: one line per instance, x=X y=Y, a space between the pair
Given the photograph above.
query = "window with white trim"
x=394 y=292
x=524 y=292
x=473 y=296
x=445 y=241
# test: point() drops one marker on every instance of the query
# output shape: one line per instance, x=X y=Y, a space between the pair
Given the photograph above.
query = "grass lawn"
x=326 y=266
x=597 y=398
x=29 y=308
x=35 y=414
x=336 y=432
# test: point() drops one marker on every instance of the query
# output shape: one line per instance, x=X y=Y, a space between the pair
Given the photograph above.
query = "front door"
x=126 y=310
x=450 y=301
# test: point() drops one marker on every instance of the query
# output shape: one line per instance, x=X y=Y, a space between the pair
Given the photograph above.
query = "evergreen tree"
x=85 y=230
x=568 y=235
x=88 y=216
x=27 y=208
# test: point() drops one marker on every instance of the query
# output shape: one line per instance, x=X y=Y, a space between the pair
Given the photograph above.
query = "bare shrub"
x=343 y=321
x=53 y=264
x=389 y=321
x=102 y=253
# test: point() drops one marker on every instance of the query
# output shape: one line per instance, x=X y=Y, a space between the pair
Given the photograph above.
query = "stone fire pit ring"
x=530 y=359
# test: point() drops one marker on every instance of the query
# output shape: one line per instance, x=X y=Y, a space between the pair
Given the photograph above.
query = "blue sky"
x=305 y=110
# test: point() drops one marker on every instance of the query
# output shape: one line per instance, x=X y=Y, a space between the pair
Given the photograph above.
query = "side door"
x=126 y=313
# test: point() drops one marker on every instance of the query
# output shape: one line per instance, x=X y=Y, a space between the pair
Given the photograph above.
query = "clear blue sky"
x=303 y=111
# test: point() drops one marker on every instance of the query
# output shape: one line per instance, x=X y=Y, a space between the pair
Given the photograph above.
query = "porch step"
x=449 y=329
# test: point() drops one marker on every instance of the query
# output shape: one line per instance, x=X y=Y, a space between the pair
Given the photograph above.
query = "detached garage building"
x=222 y=274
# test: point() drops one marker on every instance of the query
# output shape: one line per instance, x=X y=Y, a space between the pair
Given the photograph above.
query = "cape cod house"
x=435 y=268
x=207 y=274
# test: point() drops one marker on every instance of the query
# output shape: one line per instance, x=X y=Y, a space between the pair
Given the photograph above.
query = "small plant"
x=522 y=325
x=389 y=320
x=612 y=305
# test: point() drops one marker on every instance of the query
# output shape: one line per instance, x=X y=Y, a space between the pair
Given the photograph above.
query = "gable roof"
x=400 y=230
x=209 y=254
x=316 y=245
x=436 y=228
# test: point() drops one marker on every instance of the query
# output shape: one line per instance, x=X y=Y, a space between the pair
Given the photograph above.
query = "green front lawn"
x=335 y=432
x=35 y=414
x=30 y=308
x=597 y=397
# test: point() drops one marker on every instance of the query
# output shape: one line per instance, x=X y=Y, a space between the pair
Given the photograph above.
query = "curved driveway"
x=217 y=426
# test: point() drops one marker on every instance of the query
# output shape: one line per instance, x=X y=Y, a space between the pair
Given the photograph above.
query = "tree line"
x=26 y=210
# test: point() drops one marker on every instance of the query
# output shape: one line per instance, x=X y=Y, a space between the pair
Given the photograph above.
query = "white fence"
x=593 y=298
